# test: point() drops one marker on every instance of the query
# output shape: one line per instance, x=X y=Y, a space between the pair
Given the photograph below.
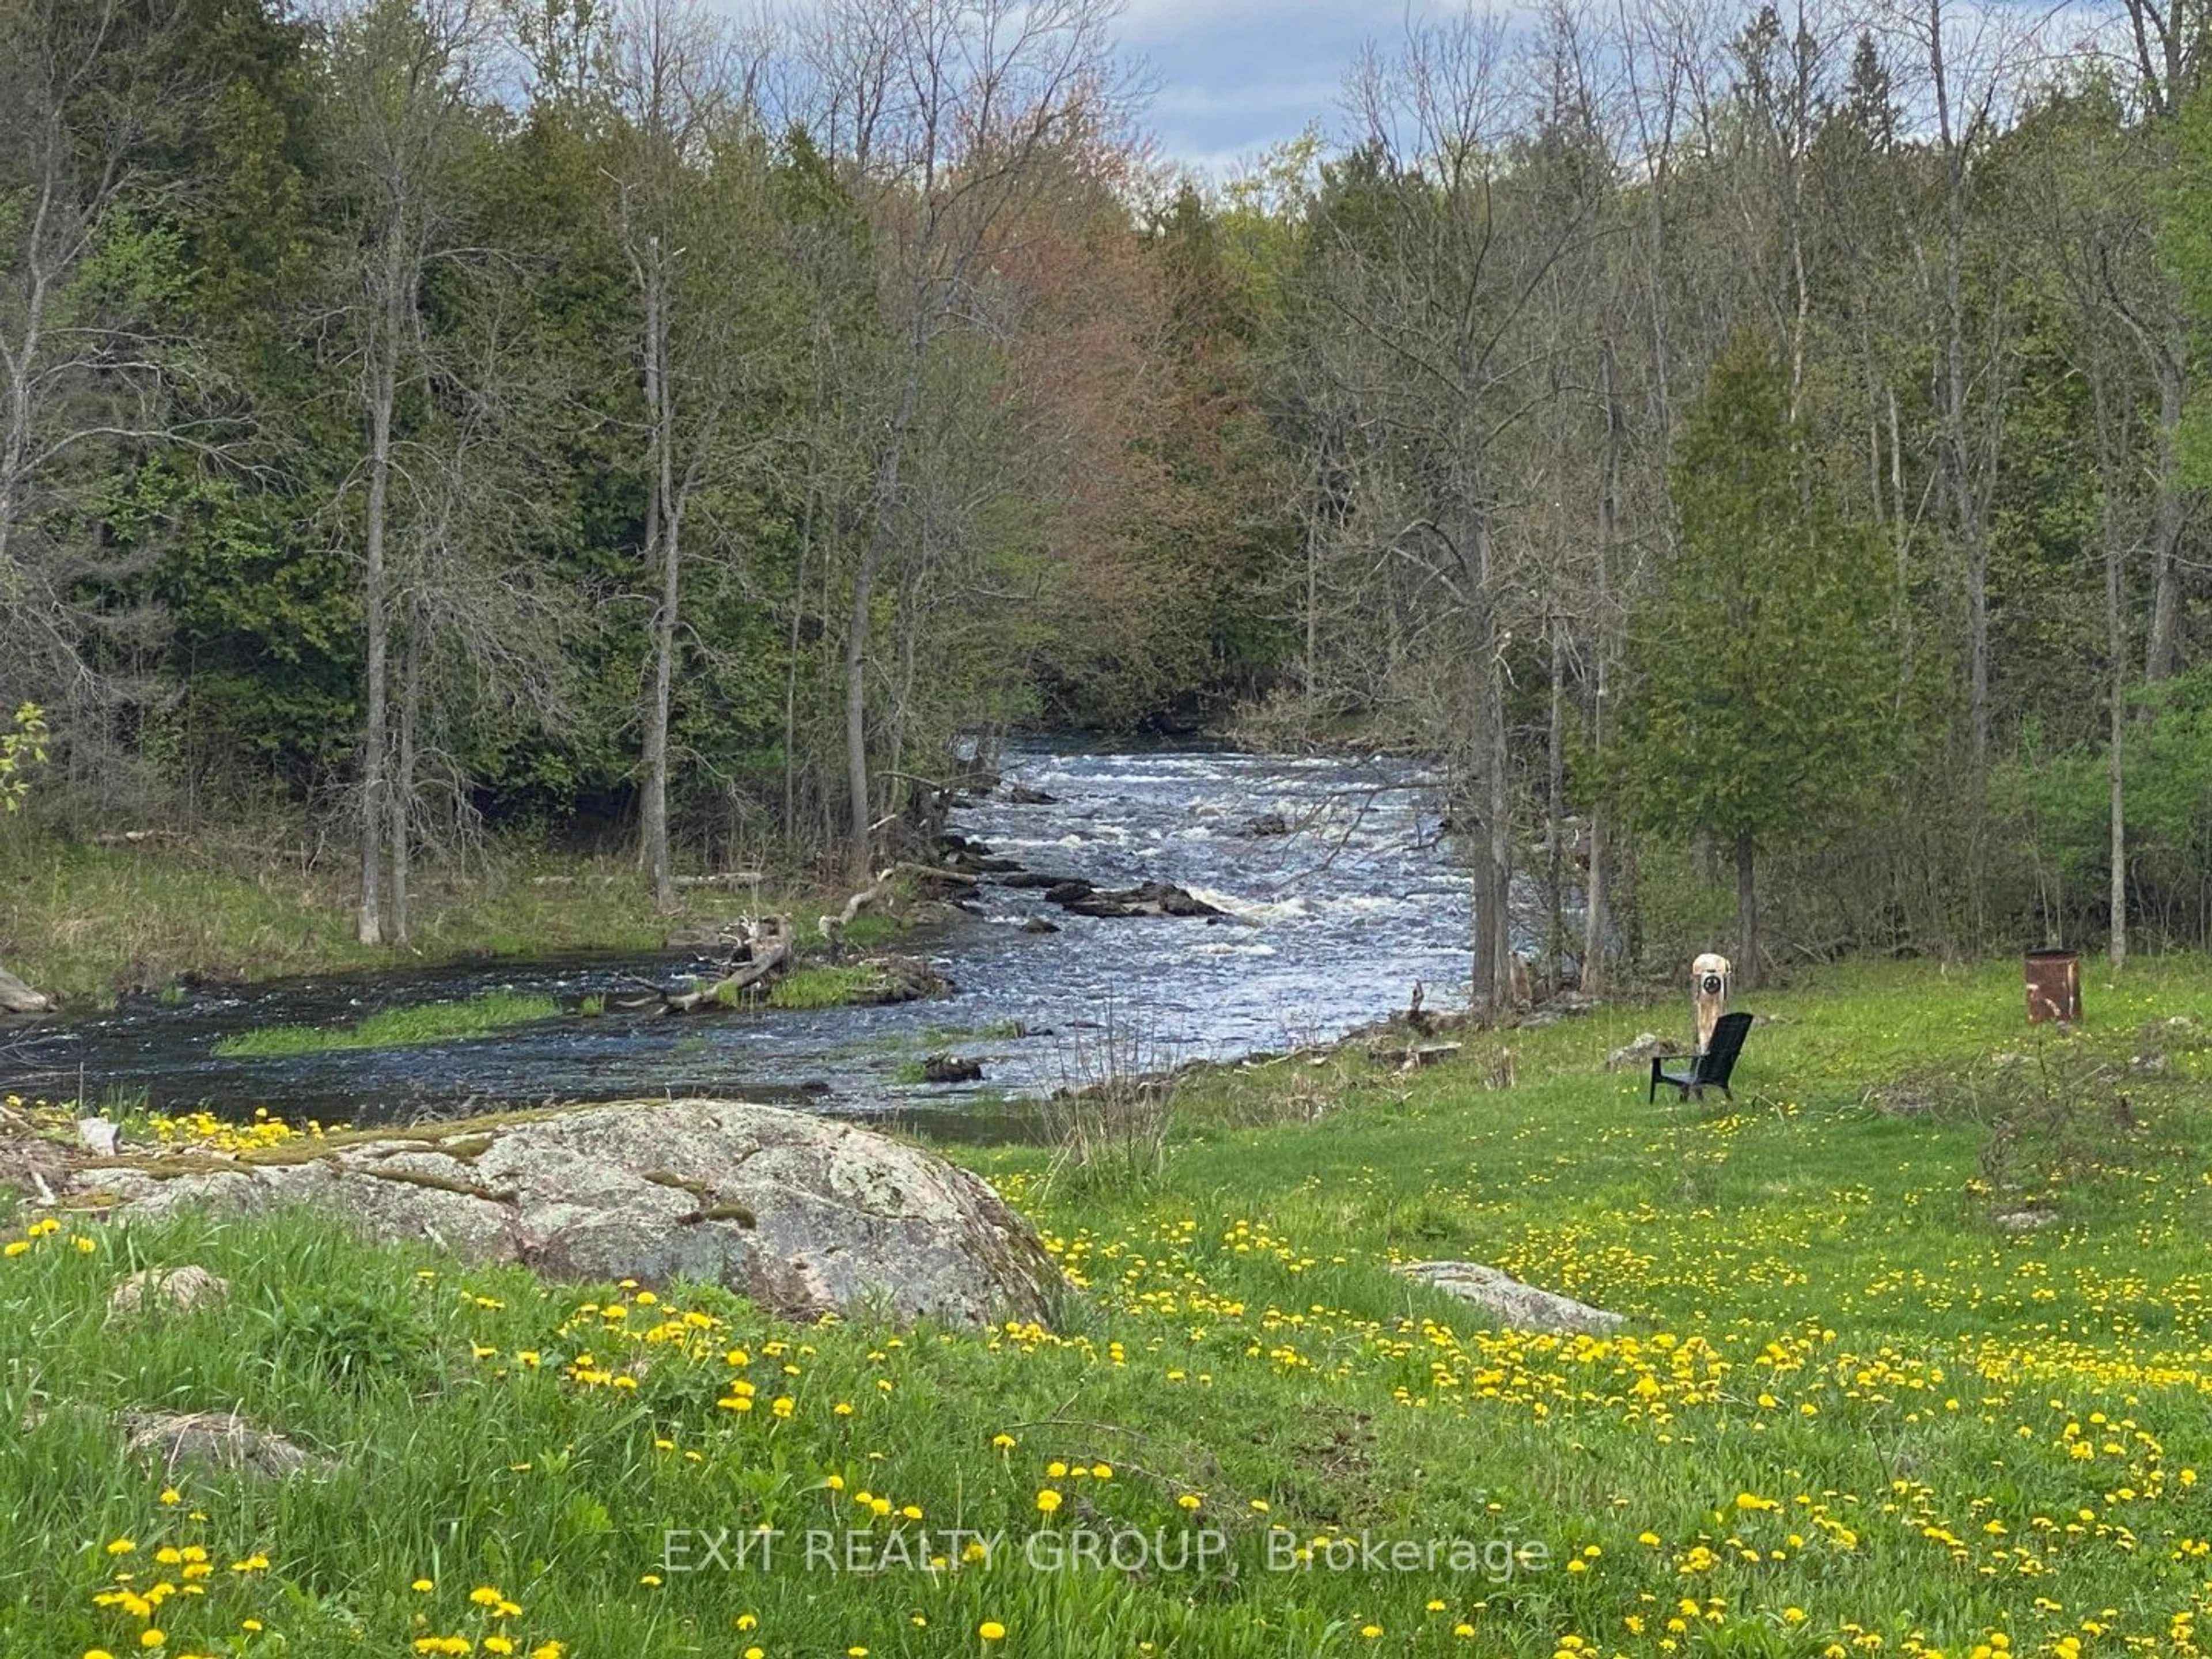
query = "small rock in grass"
x=1511 y=1304
x=220 y=1443
x=181 y=1288
x=1649 y=1046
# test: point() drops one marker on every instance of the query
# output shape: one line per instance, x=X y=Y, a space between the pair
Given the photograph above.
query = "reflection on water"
x=1328 y=927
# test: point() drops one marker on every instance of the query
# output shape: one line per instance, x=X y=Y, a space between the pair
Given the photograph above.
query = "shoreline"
x=90 y=925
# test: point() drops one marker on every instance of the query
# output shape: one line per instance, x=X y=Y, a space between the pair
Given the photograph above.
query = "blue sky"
x=1232 y=76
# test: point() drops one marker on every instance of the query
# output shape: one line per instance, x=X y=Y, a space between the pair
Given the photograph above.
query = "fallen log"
x=832 y=926
x=766 y=951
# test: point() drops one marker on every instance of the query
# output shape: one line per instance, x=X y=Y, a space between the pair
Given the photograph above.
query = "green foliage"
x=2184 y=239
x=22 y=746
x=347 y=1336
x=1760 y=673
x=2059 y=798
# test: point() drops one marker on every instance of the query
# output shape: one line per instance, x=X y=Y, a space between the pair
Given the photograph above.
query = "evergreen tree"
x=1758 y=660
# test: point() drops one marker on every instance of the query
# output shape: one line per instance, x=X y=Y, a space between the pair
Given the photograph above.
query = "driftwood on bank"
x=833 y=927
x=928 y=880
x=765 y=950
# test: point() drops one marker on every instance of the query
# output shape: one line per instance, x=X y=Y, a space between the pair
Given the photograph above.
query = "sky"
x=1231 y=77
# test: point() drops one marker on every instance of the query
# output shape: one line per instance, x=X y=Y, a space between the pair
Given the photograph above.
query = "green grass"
x=820 y=987
x=1850 y=1403
x=430 y=1022
x=870 y=929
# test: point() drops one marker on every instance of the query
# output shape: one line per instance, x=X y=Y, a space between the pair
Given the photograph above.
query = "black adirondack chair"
x=1709 y=1070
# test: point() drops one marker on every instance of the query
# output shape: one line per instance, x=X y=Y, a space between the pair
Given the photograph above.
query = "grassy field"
x=1917 y=1364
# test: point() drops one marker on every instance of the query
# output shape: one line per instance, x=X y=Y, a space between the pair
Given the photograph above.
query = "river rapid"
x=1327 y=928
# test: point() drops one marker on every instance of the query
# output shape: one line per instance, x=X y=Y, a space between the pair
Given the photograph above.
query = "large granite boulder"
x=806 y=1215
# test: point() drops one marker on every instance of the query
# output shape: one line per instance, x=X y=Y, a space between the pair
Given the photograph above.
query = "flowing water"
x=1328 y=927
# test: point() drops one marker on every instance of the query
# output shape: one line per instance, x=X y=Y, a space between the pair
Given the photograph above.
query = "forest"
x=1759 y=453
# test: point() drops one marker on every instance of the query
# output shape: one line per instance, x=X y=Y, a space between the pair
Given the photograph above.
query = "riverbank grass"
x=820 y=987
x=430 y=1022
x=87 y=924
x=1915 y=1364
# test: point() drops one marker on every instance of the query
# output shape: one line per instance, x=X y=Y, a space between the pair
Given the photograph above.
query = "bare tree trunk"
x=663 y=681
x=1746 y=915
x=2116 y=643
x=1498 y=813
x=2116 y=633
x=890 y=462
x=403 y=782
x=859 y=845
x=1313 y=613
x=660 y=554
x=23 y=369
x=791 y=657
x=2165 y=535
x=384 y=374
x=1555 y=809
x=1492 y=850
x=1597 y=897
x=1901 y=527
x=1596 y=924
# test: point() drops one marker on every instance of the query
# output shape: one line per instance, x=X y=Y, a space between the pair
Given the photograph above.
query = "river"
x=1327 y=928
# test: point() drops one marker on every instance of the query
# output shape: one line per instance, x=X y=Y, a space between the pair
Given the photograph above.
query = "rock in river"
x=1152 y=898
x=804 y=1214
